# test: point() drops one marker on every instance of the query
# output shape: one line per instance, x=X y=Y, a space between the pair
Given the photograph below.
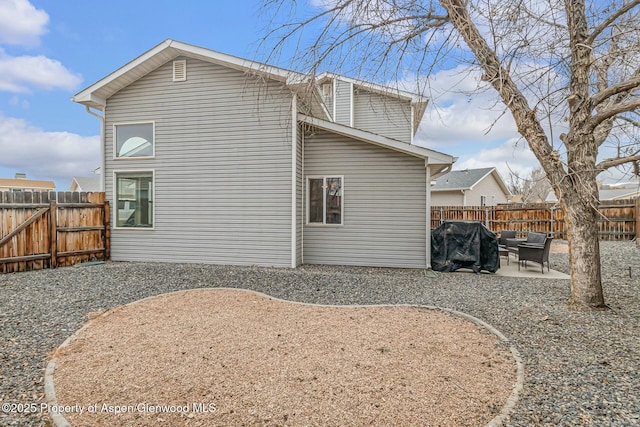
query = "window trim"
x=114 y=221
x=115 y=141
x=324 y=201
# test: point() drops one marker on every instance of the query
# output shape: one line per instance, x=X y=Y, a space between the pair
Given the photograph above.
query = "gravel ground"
x=581 y=368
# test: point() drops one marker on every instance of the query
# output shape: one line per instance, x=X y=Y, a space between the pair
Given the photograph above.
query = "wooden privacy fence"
x=49 y=230
x=618 y=218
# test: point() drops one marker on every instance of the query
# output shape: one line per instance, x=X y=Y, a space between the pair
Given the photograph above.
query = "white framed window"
x=133 y=194
x=325 y=201
x=134 y=140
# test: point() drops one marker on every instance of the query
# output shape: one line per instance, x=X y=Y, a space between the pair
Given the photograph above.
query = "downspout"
x=428 y=221
x=294 y=146
x=103 y=172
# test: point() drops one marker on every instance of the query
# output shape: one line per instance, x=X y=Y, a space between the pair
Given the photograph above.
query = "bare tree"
x=534 y=187
x=572 y=65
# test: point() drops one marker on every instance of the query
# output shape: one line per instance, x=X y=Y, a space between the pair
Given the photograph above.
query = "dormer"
x=373 y=108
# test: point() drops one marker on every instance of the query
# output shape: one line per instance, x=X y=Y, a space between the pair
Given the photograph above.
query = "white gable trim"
x=374 y=87
x=96 y=94
x=497 y=178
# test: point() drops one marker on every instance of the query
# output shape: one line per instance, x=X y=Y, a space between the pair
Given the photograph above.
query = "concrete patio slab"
x=531 y=270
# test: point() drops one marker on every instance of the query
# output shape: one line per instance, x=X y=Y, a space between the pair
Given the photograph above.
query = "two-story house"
x=212 y=158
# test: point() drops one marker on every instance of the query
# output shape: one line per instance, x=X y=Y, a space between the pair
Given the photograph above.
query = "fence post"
x=486 y=217
x=107 y=231
x=53 y=222
x=553 y=219
x=637 y=215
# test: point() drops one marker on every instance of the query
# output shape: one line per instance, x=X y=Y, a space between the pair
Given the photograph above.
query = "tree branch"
x=610 y=91
x=610 y=20
x=525 y=117
x=616 y=161
x=622 y=107
x=631 y=121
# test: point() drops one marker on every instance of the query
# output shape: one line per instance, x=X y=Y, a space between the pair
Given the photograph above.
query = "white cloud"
x=43 y=73
x=462 y=109
x=21 y=23
x=514 y=155
x=49 y=155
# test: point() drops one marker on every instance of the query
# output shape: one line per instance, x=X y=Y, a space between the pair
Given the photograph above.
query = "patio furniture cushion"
x=504 y=235
x=535 y=252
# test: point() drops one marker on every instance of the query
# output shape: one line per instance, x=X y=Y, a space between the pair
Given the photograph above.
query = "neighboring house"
x=21 y=183
x=470 y=187
x=88 y=184
x=607 y=194
x=216 y=159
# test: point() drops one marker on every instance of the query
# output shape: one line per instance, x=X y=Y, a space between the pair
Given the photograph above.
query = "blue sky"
x=52 y=49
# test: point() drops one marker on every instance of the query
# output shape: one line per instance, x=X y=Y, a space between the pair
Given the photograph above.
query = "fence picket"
x=618 y=220
x=48 y=230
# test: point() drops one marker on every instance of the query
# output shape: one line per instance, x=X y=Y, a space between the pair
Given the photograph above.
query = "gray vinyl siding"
x=382 y=115
x=222 y=167
x=343 y=102
x=384 y=205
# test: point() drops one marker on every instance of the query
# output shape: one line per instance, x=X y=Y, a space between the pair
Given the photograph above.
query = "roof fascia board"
x=498 y=179
x=235 y=62
x=451 y=189
x=501 y=182
x=434 y=157
x=85 y=95
x=481 y=178
x=419 y=102
x=374 y=87
x=176 y=48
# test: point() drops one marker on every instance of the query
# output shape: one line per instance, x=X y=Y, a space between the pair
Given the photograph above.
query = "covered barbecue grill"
x=464 y=244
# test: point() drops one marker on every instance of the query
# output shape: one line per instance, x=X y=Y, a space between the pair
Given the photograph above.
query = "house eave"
x=441 y=190
x=418 y=102
x=96 y=94
x=433 y=157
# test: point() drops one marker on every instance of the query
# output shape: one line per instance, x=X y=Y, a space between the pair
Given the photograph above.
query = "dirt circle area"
x=223 y=357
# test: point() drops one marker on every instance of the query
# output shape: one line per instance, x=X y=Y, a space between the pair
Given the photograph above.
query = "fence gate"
x=49 y=230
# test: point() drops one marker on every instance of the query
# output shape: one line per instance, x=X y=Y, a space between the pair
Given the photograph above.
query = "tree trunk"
x=584 y=257
x=574 y=185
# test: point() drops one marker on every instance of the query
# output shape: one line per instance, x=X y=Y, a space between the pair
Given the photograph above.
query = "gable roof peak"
x=96 y=95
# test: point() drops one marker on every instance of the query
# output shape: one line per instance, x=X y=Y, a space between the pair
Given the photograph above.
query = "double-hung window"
x=325 y=202
x=134 y=199
x=134 y=140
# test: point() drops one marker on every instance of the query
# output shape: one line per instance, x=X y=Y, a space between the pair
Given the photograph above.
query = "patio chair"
x=504 y=235
x=535 y=251
x=532 y=237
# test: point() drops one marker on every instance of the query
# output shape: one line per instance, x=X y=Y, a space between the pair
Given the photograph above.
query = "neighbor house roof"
x=615 y=194
x=418 y=102
x=433 y=157
x=467 y=179
x=27 y=184
x=85 y=183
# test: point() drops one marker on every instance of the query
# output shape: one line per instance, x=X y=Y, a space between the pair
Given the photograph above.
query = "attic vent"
x=327 y=90
x=180 y=70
